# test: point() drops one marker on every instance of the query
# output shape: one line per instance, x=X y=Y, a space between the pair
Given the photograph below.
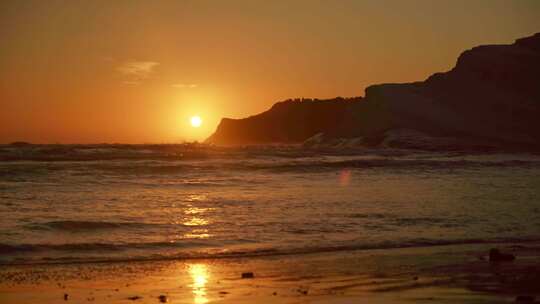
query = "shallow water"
x=140 y=203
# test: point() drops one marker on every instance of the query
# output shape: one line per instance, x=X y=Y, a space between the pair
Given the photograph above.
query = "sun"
x=196 y=121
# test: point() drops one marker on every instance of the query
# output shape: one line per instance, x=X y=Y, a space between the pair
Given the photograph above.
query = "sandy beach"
x=439 y=274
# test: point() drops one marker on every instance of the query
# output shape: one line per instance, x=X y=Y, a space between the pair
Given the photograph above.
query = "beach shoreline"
x=438 y=274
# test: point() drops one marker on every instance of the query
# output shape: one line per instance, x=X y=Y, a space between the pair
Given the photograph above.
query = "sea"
x=107 y=203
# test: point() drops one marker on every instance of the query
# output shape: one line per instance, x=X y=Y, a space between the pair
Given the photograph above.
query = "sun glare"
x=199 y=274
x=196 y=121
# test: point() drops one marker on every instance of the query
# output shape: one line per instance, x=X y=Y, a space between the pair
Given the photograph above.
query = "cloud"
x=135 y=71
x=131 y=82
x=184 y=85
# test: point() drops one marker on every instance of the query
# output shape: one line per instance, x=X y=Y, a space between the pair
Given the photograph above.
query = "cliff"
x=290 y=121
x=491 y=98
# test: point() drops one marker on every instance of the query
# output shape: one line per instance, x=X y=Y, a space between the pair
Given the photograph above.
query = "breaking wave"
x=199 y=250
x=75 y=226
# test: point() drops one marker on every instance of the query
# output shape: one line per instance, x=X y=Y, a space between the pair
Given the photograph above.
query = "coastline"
x=435 y=274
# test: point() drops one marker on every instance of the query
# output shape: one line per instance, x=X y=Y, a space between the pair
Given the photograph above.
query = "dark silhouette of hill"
x=490 y=99
x=289 y=121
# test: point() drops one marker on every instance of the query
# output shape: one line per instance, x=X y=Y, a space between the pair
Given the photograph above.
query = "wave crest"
x=199 y=250
x=76 y=226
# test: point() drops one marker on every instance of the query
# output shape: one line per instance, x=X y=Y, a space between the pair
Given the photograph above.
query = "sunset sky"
x=137 y=71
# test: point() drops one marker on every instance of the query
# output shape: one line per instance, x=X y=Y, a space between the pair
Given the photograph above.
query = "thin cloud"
x=134 y=82
x=184 y=85
x=135 y=71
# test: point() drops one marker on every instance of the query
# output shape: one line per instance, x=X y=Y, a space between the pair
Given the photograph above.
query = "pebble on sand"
x=302 y=291
x=248 y=275
x=525 y=299
x=66 y=296
x=495 y=255
x=163 y=299
x=134 y=298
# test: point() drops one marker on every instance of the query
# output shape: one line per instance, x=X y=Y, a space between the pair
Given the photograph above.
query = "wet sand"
x=439 y=274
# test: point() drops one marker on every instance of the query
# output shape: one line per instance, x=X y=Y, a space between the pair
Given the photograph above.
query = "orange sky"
x=136 y=71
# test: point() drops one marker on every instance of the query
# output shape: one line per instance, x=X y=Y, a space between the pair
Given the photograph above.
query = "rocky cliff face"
x=491 y=95
x=290 y=121
x=491 y=98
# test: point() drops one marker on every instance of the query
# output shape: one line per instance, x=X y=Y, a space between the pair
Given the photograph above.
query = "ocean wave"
x=311 y=165
x=95 y=247
x=191 y=172
x=102 y=152
x=75 y=226
x=204 y=253
x=170 y=159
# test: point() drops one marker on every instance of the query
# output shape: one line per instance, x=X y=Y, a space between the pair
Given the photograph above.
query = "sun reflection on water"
x=199 y=274
x=196 y=198
x=194 y=216
x=195 y=221
x=196 y=210
x=197 y=234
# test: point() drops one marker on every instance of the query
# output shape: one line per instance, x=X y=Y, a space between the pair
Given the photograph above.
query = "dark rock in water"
x=525 y=299
x=134 y=298
x=248 y=275
x=66 y=296
x=496 y=256
x=163 y=299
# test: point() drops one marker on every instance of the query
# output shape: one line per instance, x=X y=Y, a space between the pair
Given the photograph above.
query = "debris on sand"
x=134 y=298
x=248 y=275
x=495 y=255
x=163 y=299
x=66 y=296
x=525 y=299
